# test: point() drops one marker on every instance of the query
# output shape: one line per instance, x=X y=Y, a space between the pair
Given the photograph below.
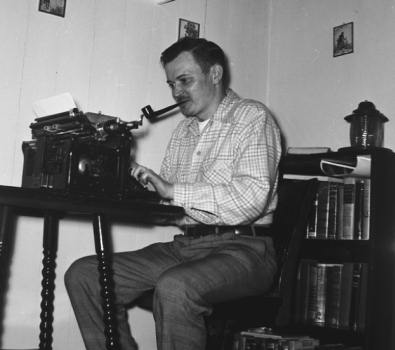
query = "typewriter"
x=83 y=153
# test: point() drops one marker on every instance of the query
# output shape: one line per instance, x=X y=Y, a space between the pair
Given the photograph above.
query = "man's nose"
x=177 y=90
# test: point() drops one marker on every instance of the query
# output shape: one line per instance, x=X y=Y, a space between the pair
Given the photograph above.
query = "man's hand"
x=144 y=175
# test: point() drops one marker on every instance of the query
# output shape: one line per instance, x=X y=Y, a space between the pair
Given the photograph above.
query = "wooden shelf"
x=336 y=251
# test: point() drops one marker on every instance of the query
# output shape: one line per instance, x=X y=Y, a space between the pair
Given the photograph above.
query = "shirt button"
x=198 y=153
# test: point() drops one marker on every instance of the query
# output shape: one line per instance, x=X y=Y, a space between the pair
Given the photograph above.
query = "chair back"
x=295 y=200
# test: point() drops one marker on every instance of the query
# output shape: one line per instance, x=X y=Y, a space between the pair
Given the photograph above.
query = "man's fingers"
x=141 y=174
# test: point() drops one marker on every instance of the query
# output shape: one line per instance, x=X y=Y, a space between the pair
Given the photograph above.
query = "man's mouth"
x=182 y=101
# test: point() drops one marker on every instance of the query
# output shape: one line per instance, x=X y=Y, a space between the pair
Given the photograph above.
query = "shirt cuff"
x=180 y=195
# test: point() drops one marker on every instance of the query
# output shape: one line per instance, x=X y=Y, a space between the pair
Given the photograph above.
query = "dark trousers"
x=188 y=274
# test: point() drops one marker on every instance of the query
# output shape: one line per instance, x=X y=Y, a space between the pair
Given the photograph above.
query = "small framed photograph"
x=53 y=7
x=343 y=39
x=188 y=29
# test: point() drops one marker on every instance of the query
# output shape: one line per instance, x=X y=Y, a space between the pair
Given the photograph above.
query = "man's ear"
x=216 y=72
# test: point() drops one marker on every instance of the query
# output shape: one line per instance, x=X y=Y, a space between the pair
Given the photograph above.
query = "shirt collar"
x=221 y=114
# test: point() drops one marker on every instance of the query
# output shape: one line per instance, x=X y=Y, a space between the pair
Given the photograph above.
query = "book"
x=333 y=210
x=355 y=295
x=333 y=291
x=362 y=298
x=324 y=188
x=345 y=295
x=366 y=209
x=349 y=208
x=359 y=194
x=311 y=227
x=302 y=292
x=340 y=211
x=317 y=294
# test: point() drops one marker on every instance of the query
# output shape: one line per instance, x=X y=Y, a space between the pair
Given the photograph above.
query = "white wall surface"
x=106 y=54
x=310 y=90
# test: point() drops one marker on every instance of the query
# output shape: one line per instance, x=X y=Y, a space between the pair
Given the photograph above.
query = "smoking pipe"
x=150 y=114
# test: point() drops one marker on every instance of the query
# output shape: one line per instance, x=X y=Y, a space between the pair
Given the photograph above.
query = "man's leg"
x=133 y=273
x=224 y=269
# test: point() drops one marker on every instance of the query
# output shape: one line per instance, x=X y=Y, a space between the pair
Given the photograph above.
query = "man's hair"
x=206 y=54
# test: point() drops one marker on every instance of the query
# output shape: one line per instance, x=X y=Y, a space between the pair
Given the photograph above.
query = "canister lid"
x=366 y=108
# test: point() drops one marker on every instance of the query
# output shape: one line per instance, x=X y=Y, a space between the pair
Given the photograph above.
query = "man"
x=220 y=165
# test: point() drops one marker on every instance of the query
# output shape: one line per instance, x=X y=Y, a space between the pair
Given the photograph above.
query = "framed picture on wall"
x=53 y=7
x=188 y=29
x=343 y=39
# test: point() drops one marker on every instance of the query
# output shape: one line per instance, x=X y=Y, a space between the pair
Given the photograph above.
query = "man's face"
x=188 y=83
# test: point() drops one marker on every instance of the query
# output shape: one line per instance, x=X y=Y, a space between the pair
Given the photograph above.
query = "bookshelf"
x=371 y=258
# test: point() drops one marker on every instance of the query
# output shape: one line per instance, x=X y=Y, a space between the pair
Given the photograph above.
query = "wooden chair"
x=274 y=307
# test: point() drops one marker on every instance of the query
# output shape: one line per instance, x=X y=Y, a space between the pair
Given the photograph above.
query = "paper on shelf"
x=307 y=150
x=54 y=105
x=332 y=167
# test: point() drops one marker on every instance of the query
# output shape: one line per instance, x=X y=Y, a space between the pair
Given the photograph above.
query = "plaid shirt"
x=227 y=174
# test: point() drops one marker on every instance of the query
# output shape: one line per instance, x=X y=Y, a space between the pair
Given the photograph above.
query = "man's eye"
x=186 y=81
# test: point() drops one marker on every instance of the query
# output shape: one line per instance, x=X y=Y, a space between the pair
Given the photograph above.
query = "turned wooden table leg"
x=4 y=225
x=50 y=239
x=6 y=245
x=106 y=281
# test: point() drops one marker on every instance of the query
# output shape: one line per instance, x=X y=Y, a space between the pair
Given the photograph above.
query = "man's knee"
x=173 y=289
x=82 y=272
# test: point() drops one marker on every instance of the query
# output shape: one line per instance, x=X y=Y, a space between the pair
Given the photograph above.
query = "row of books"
x=341 y=209
x=331 y=295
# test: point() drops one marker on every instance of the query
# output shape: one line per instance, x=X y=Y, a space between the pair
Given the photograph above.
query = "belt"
x=205 y=230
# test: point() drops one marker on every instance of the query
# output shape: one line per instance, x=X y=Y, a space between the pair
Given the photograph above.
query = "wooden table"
x=53 y=205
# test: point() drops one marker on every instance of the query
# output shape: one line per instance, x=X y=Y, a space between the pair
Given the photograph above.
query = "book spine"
x=349 y=208
x=302 y=294
x=345 y=295
x=312 y=293
x=311 y=230
x=318 y=295
x=355 y=292
x=323 y=209
x=332 y=316
x=359 y=194
x=366 y=209
x=333 y=210
x=361 y=302
x=340 y=210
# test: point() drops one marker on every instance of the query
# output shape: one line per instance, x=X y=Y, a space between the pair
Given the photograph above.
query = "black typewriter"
x=83 y=153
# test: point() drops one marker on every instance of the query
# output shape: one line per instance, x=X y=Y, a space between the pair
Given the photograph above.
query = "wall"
x=310 y=90
x=106 y=54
